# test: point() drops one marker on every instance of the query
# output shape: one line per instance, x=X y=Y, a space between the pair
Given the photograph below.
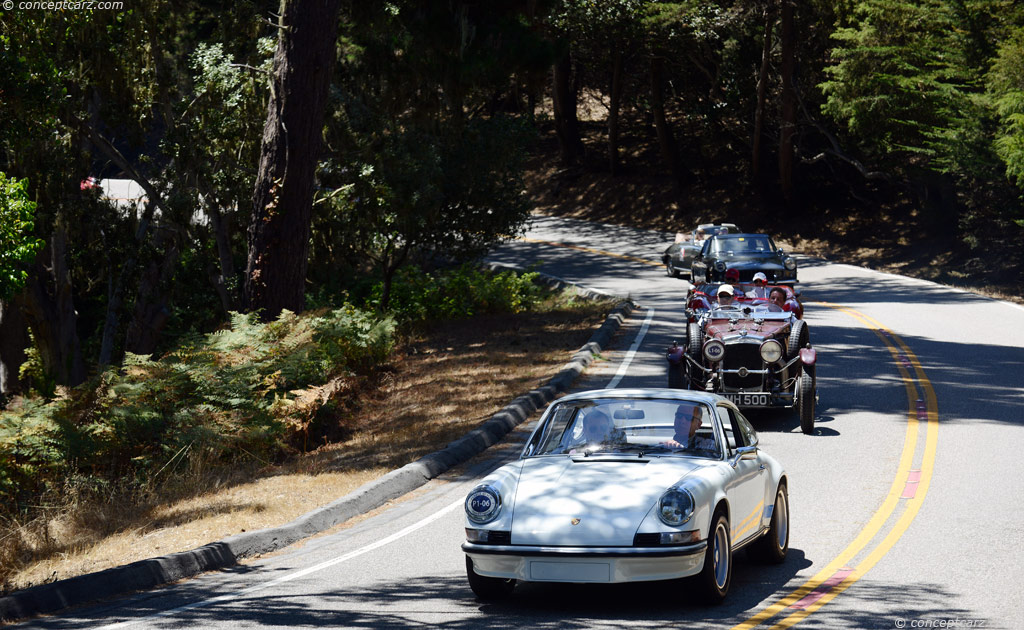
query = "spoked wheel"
x=805 y=401
x=716 y=576
x=670 y=269
x=695 y=343
x=774 y=545
x=799 y=337
x=488 y=588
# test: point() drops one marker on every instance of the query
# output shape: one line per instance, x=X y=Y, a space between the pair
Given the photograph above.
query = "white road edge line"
x=632 y=351
x=292 y=576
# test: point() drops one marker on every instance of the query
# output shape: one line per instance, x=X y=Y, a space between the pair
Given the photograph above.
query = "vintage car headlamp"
x=790 y=263
x=719 y=265
x=483 y=504
x=675 y=507
x=771 y=351
x=714 y=350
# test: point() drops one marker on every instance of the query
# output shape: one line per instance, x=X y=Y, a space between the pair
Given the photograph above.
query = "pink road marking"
x=823 y=589
x=910 y=490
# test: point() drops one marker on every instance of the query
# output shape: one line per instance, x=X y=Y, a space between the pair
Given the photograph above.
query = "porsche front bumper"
x=586 y=564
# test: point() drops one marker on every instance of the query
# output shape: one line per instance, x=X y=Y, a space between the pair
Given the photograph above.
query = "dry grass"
x=442 y=384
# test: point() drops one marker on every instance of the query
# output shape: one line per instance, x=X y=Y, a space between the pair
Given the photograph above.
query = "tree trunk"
x=762 y=90
x=151 y=310
x=787 y=112
x=567 y=125
x=13 y=341
x=666 y=139
x=279 y=230
x=52 y=316
x=613 y=113
x=116 y=295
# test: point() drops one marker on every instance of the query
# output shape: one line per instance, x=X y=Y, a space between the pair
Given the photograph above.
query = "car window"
x=657 y=427
x=738 y=430
x=749 y=435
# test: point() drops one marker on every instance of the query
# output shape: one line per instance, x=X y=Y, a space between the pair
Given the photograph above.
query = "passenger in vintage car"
x=725 y=296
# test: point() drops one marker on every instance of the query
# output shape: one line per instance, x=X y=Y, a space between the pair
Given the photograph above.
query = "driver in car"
x=686 y=424
x=726 y=296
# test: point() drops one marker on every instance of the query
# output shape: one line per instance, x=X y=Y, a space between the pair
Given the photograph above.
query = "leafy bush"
x=216 y=397
x=418 y=296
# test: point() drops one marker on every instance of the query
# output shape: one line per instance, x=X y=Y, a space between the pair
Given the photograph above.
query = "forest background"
x=316 y=173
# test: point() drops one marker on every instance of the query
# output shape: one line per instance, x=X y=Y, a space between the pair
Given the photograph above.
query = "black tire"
x=799 y=337
x=716 y=576
x=670 y=269
x=694 y=347
x=805 y=401
x=774 y=545
x=676 y=376
x=694 y=341
x=488 y=588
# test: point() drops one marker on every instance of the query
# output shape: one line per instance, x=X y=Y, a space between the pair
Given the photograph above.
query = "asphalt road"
x=905 y=502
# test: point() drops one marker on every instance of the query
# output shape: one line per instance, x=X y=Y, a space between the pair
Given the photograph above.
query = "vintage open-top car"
x=623 y=486
x=745 y=253
x=701 y=298
x=752 y=355
x=678 y=256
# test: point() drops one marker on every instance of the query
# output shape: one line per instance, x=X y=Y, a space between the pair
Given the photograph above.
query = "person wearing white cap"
x=760 y=290
x=725 y=296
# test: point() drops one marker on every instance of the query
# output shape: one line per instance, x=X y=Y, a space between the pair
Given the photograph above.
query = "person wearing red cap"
x=732 y=275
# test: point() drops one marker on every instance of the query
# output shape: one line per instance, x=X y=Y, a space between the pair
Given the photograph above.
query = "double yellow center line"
x=908 y=490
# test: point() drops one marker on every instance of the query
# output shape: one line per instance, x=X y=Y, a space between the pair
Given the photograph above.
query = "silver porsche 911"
x=628 y=485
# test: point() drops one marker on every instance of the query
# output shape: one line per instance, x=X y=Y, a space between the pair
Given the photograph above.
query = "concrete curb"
x=146 y=574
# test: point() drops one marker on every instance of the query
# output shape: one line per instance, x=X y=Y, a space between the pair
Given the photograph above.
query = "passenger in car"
x=760 y=289
x=726 y=294
x=598 y=428
x=777 y=299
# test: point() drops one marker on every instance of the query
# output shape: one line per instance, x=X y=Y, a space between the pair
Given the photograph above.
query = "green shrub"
x=214 y=398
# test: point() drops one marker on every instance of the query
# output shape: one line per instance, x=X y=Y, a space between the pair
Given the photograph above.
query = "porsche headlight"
x=714 y=350
x=790 y=263
x=483 y=504
x=675 y=507
x=771 y=351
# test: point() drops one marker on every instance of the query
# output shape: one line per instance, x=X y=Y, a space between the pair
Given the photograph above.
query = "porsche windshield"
x=590 y=427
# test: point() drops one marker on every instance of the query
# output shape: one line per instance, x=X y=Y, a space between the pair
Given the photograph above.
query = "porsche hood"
x=590 y=501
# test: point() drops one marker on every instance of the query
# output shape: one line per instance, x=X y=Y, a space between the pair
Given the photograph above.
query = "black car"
x=747 y=254
x=678 y=257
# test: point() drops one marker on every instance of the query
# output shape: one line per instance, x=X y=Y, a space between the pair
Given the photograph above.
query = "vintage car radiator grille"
x=746 y=355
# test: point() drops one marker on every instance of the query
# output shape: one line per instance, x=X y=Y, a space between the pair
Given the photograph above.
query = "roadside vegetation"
x=112 y=457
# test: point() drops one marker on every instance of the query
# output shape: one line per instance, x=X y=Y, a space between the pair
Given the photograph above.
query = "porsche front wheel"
x=716 y=576
x=488 y=588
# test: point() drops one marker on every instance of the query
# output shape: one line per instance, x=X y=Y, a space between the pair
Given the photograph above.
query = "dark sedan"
x=678 y=257
x=747 y=254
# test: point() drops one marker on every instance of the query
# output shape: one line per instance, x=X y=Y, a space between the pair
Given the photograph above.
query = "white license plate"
x=570 y=571
x=749 y=400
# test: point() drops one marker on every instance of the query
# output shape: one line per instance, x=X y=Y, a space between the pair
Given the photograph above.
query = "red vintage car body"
x=756 y=357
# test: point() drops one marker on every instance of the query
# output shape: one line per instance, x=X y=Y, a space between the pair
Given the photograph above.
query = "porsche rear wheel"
x=805 y=402
x=488 y=588
x=773 y=546
x=716 y=576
